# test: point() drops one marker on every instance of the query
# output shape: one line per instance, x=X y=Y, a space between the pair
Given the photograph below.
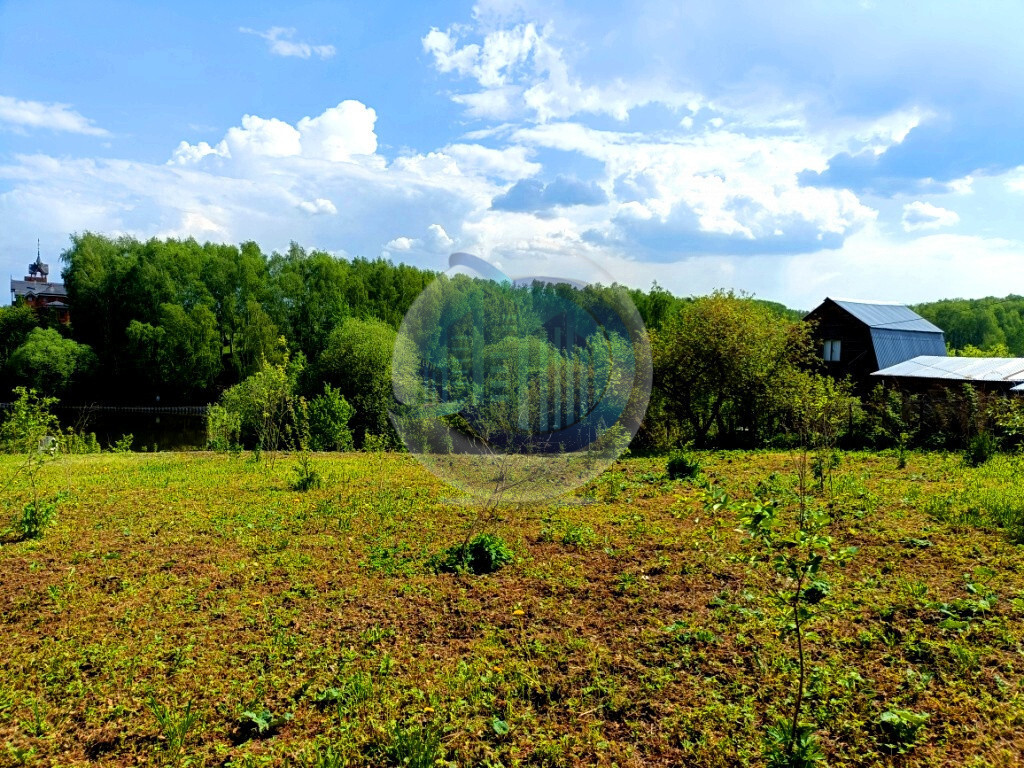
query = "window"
x=832 y=351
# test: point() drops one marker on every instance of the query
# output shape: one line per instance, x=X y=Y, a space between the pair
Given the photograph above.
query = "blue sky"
x=792 y=151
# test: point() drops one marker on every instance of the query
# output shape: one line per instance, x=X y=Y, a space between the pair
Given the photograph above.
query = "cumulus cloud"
x=919 y=215
x=317 y=206
x=402 y=244
x=56 y=117
x=280 y=42
x=531 y=195
x=520 y=70
x=715 y=191
x=339 y=134
x=438 y=240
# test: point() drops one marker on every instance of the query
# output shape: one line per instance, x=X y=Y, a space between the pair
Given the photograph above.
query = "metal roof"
x=882 y=315
x=26 y=287
x=894 y=346
x=1010 y=369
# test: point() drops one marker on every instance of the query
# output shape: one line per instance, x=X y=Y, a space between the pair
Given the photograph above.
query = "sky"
x=792 y=151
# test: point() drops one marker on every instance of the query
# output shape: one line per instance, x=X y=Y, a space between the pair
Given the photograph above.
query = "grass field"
x=192 y=609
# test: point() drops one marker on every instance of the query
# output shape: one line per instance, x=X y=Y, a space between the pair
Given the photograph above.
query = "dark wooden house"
x=856 y=338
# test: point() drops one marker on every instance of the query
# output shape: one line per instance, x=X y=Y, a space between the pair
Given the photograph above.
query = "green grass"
x=194 y=609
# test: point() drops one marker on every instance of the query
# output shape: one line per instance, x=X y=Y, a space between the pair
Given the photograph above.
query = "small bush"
x=124 y=445
x=81 y=442
x=981 y=448
x=899 y=729
x=36 y=516
x=484 y=553
x=682 y=466
x=223 y=428
x=306 y=476
x=786 y=749
x=329 y=415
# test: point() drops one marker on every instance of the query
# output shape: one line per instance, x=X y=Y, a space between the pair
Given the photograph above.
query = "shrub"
x=81 y=442
x=981 y=448
x=682 y=467
x=124 y=445
x=329 y=414
x=36 y=516
x=306 y=475
x=484 y=553
x=28 y=424
x=223 y=428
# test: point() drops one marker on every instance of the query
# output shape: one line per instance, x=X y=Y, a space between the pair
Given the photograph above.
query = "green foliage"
x=123 y=444
x=50 y=363
x=16 y=322
x=29 y=425
x=264 y=406
x=259 y=724
x=182 y=353
x=786 y=749
x=899 y=729
x=174 y=725
x=981 y=448
x=223 y=428
x=329 y=415
x=305 y=475
x=483 y=553
x=725 y=363
x=984 y=325
x=795 y=546
x=682 y=466
x=417 y=745
x=80 y=442
x=36 y=515
x=357 y=363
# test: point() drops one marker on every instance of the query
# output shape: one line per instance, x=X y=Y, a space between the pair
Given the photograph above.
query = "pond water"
x=168 y=429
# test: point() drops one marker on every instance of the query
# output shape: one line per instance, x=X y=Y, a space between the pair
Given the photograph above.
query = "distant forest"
x=176 y=322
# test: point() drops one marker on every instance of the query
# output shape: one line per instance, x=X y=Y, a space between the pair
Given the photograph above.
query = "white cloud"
x=280 y=43
x=317 y=206
x=187 y=153
x=521 y=70
x=402 y=244
x=919 y=215
x=438 y=240
x=339 y=134
x=271 y=138
x=55 y=117
x=720 y=182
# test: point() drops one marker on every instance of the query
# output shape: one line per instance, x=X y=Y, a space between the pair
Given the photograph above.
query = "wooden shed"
x=856 y=338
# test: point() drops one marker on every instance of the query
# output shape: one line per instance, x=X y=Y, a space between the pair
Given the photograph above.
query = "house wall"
x=857 y=355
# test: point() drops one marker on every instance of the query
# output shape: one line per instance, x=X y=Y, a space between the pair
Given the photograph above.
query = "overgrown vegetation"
x=193 y=609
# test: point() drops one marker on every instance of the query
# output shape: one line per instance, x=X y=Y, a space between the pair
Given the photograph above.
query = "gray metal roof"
x=893 y=346
x=883 y=315
x=1010 y=369
x=25 y=287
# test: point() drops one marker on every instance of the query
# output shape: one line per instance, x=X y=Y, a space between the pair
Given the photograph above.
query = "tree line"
x=179 y=322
